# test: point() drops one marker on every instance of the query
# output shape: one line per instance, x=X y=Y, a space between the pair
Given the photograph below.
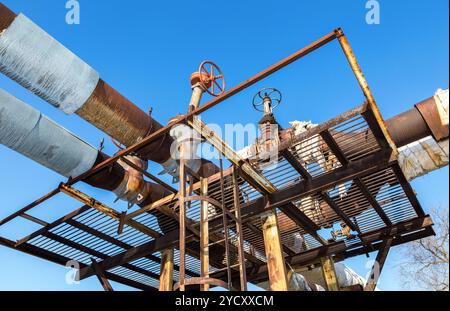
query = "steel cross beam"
x=101 y=276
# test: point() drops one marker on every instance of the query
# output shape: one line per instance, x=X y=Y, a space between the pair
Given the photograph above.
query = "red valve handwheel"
x=211 y=78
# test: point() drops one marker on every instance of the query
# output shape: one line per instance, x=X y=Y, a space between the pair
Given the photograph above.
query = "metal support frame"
x=272 y=199
x=378 y=265
x=204 y=235
x=101 y=276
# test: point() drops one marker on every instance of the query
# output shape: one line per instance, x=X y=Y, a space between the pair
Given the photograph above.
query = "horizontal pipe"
x=42 y=65
x=407 y=127
x=110 y=111
x=27 y=131
x=427 y=118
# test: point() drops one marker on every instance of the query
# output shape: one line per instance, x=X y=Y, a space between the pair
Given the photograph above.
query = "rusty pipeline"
x=39 y=63
x=427 y=118
x=30 y=133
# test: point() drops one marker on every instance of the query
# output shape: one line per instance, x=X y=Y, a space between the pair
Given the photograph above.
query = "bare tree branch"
x=426 y=262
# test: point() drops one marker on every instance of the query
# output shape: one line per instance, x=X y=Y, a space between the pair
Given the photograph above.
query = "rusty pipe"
x=39 y=63
x=30 y=133
x=42 y=65
x=427 y=118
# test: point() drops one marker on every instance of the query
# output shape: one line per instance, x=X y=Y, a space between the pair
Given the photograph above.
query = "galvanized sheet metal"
x=41 y=64
x=25 y=130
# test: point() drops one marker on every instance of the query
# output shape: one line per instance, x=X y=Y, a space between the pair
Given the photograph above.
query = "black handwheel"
x=272 y=93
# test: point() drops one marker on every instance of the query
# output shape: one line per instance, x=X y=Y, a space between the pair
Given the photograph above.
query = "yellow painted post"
x=329 y=274
x=204 y=235
x=166 y=276
x=274 y=253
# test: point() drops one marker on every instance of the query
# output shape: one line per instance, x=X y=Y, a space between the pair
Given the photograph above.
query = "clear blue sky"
x=148 y=49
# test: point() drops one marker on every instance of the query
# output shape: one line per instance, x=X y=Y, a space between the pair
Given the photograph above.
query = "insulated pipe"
x=25 y=130
x=39 y=63
x=28 y=132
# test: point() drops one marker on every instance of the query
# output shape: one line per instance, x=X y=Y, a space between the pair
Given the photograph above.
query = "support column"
x=329 y=274
x=182 y=212
x=101 y=276
x=378 y=266
x=275 y=260
x=204 y=235
x=166 y=275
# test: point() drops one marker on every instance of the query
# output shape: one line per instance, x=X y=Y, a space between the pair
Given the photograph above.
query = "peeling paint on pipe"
x=115 y=115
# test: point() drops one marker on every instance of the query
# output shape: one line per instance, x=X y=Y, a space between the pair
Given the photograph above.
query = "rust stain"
x=115 y=115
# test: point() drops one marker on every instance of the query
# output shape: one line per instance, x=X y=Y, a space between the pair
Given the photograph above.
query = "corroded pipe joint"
x=196 y=81
x=427 y=118
x=133 y=188
x=435 y=113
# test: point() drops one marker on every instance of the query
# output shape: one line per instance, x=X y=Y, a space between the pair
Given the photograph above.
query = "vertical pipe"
x=182 y=212
x=204 y=235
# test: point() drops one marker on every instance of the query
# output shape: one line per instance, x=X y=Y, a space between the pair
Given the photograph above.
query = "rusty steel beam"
x=373 y=202
x=101 y=276
x=345 y=45
x=378 y=265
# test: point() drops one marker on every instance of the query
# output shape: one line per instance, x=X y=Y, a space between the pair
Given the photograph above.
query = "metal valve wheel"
x=272 y=93
x=211 y=78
